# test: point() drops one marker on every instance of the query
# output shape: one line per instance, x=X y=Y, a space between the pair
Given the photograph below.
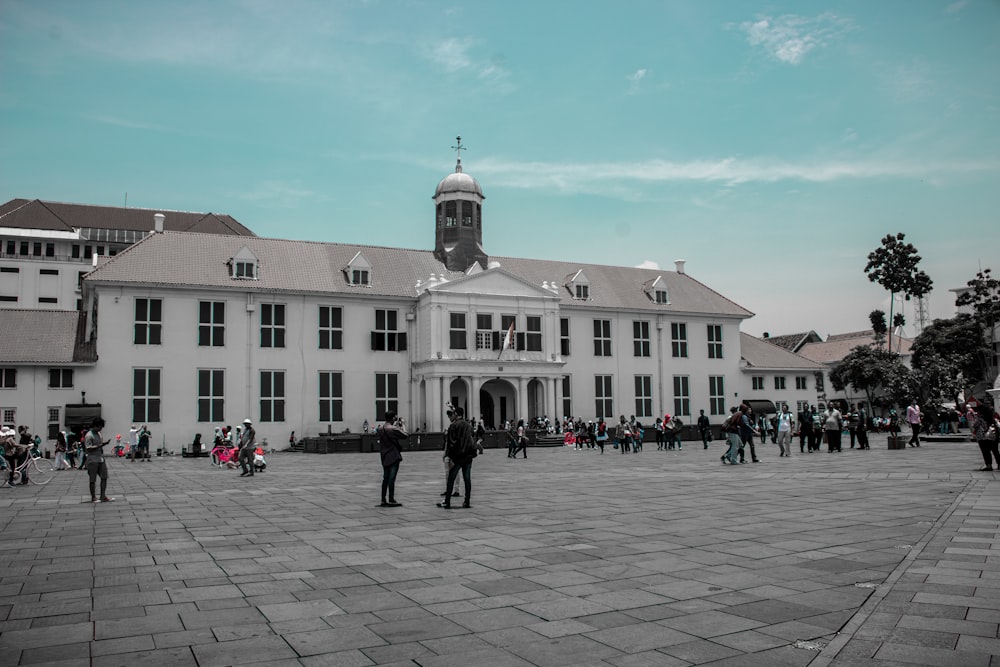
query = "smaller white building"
x=772 y=373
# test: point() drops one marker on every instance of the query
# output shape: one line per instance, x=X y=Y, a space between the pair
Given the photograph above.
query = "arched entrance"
x=458 y=395
x=497 y=403
x=536 y=399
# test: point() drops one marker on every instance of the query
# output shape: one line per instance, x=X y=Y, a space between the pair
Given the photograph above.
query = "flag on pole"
x=508 y=340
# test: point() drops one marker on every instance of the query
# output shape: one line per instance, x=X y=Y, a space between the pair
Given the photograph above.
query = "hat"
x=247 y=421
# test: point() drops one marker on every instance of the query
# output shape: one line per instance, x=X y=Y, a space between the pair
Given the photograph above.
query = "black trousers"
x=246 y=460
x=389 y=481
x=466 y=470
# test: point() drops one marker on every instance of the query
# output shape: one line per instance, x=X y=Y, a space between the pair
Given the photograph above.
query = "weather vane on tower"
x=458 y=151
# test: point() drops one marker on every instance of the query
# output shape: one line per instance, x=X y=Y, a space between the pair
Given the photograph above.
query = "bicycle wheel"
x=40 y=471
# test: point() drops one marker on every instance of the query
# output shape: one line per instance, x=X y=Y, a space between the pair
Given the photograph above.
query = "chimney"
x=158 y=219
x=679 y=263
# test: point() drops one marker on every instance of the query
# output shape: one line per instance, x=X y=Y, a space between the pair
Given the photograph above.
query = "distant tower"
x=458 y=203
x=921 y=314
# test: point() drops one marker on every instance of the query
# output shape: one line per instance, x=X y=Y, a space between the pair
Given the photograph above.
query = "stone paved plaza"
x=566 y=558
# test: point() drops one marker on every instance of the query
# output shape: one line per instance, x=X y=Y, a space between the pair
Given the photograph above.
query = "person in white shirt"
x=785 y=422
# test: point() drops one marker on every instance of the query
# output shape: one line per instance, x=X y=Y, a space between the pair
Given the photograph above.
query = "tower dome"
x=458 y=182
x=458 y=204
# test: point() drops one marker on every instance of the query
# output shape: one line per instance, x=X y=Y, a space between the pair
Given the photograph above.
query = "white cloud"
x=956 y=6
x=131 y=124
x=455 y=56
x=648 y=264
x=610 y=178
x=280 y=193
x=634 y=78
x=789 y=38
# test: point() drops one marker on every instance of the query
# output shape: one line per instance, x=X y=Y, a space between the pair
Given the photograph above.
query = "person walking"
x=461 y=449
x=658 y=427
x=622 y=434
x=93 y=444
x=248 y=441
x=602 y=434
x=61 y=463
x=522 y=440
x=747 y=431
x=390 y=435
x=913 y=419
x=704 y=429
x=805 y=430
x=731 y=429
x=785 y=423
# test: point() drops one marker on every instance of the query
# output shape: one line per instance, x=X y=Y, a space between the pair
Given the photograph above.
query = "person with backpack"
x=986 y=431
x=461 y=449
x=602 y=434
x=731 y=427
x=623 y=435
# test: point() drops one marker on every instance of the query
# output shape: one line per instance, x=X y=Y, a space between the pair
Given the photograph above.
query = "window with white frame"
x=146 y=395
x=386 y=394
x=148 y=321
x=643 y=396
x=53 y=422
x=800 y=407
x=678 y=339
x=8 y=378
x=484 y=331
x=779 y=382
x=758 y=382
x=801 y=382
x=457 y=335
x=272 y=326
x=717 y=394
x=60 y=378
x=9 y=416
x=385 y=336
x=331 y=396
x=211 y=394
x=272 y=396
x=604 y=398
x=640 y=338
x=602 y=338
x=331 y=328
x=533 y=334
x=715 y=341
x=564 y=337
x=211 y=323
x=682 y=395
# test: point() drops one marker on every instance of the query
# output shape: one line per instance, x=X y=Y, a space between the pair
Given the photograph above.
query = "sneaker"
x=93 y=499
x=105 y=499
x=444 y=506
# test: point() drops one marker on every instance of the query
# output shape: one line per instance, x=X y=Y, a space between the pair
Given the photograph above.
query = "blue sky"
x=770 y=144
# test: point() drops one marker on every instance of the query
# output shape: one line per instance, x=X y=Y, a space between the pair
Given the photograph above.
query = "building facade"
x=192 y=331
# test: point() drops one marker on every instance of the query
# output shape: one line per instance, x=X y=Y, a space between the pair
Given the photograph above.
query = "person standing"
x=658 y=427
x=143 y=445
x=61 y=450
x=461 y=449
x=731 y=429
x=602 y=434
x=622 y=434
x=93 y=444
x=785 y=423
x=988 y=443
x=747 y=431
x=833 y=424
x=862 y=431
x=704 y=428
x=805 y=430
x=913 y=419
x=248 y=441
x=390 y=449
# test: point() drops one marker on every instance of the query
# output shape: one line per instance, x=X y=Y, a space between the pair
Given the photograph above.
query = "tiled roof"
x=59 y=216
x=40 y=337
x=312 y=267
x=793 y=342
x=760 y=353
x=836 y=347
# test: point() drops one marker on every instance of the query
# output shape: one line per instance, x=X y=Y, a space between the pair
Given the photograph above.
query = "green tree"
x=879 y=328
x=894 y=267
x=865 y=368
x=950 y=354
x=984 y=297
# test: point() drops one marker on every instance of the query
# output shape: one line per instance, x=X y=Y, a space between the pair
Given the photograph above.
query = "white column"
x=522 y=399
x=475 y=384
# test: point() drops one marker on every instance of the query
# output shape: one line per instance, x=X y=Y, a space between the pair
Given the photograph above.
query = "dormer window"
x=358 y=271
x=578 y=285
x=656 y=290
x=243 y=265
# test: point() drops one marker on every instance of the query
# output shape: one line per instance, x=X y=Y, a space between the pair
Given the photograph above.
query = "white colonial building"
x=186 y=331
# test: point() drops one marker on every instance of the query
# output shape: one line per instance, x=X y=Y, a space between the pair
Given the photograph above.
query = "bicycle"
x=39 y=470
